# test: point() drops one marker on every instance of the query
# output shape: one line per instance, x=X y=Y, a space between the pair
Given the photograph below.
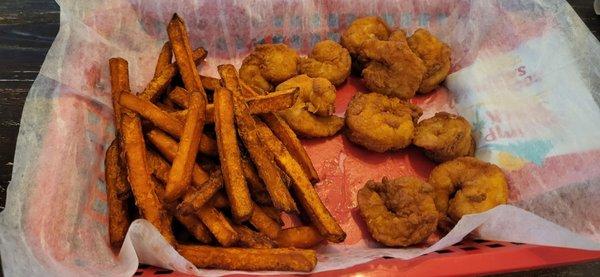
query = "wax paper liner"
x=525 y=73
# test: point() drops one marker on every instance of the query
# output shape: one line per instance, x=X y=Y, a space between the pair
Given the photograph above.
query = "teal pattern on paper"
x=424 y=21
x=534 y=151
x=478 y=123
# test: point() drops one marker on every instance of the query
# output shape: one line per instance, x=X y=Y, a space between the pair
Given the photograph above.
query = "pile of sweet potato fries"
x=226 y=185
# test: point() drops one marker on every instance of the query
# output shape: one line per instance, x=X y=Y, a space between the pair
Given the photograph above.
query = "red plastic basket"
x=464 y=258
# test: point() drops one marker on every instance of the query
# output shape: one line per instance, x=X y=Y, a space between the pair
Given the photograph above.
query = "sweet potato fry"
x=252 y=239
x=258 y=191
x=218 y=225
x=160 y=169
x=168 y=147
x=159 y=189
x=210 y=83
x=158 y=166
x=291 y=142
x=191 y=221
x=150 y=207
x=195 y=226
x=267 y=170
x=273 y=102
x=118 y=219
x=164 y=58
x=273 y=213
x=276 y=101
x=304 y=191
x=263 y=159
x=257 y=188
x=180 y=42
x=158 y=84
x=299 y=237
x=180 y=115
x=168 y=105
x=251 y=91
x=119 y=81
x=180 y=96
x=284 y=133
x=249 y=259
x=229 y=155
x=153 y=113
x=164 y=121
x=264 y=223
x=180 y=175
x=167 y=108
x=219 y=200
x=197 y=197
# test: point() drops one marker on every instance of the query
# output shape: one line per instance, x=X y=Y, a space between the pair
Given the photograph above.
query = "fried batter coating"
x=399 y=36
x=308 y=125
x=268 y=65
x=361 y=30
x=477 y=186
x=316 y=95
x=329 y=60
x=436 y=56
x=381 y=123
x=393 y=69
x=398 y=212
x=312 y=114
x=445 y=137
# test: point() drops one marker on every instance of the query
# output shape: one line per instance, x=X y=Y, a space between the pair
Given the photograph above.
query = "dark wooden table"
x=27 y=29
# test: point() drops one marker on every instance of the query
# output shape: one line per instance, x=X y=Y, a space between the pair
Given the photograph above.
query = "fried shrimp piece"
x=436 y=56
x=316 y=95
x=381 y=123
x=268 y=65
x=361 y=30
x=445 y=137
x=398 y=212
x=308 y=125
x=393 y=69
x=477 y=186
x=329 y=60
x=312 y=114
x=399 y=36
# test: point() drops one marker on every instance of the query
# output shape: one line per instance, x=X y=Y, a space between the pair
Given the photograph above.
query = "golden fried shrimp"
x=316 y=95
x=312 y=114
x=308 y=125
x=268 y=65
x=361 y=30
x=399 y=36
x=398 y=212
x=328 y=60
x=381 y=123
x=436 y=56
x=393 y=69
x=445 y=137
x=477 y=186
